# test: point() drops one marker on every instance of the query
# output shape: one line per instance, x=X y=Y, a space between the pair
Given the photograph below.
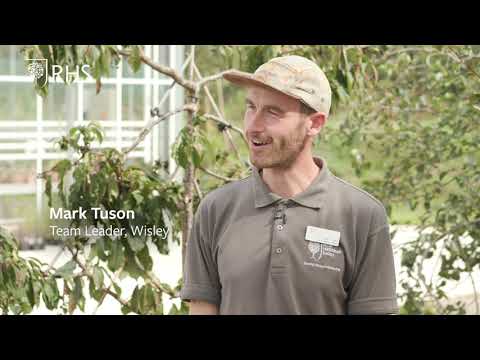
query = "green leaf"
x=100 y=246
x=92 y=253
x=131 y=266
x=118 y=289
x=81 y=303
x=117 y=256
x=196 y=158
x=475 y=98
x=126 y=309
x=408 y=258
x=158 y=303
x=173 y=310
x=31 y=292
x=66 y=271
x=167 y=287
x=145 y=259
x=134 y=59
x=134 y=303
x=183 y=310
x=51 y=295
x=98 y=277
x=137 y=196
x=63 y=166
x=136 y=243
x=96 y=130
x=73 y=131
x=48 y=190
x=8 y=238
x=148 y=299
x=77 y=289
x=94 y=293
x=106 y=62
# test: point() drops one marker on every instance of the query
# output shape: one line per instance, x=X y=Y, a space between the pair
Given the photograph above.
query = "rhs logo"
x=318 y=251
x=37 y=67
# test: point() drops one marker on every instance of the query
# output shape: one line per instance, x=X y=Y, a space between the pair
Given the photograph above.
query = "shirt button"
x=278 y=250
x=279 y=227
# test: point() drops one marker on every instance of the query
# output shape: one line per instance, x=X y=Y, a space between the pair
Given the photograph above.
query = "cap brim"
x=245 y=79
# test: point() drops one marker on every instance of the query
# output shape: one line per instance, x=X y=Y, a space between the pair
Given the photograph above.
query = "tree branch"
x=475 y=294
x=404 y=50
x=210 y=78
x=90 y=276
x=152 y=123
x=227 y=125
x=220 y=115
x=215 y=175
x=172 y=175
x=56 y=257
x=75 y=163
x=462 y=61
x=167 y=92
x=189 y=173
x=100 y=302
x=190 y=85
x=197 y=189
x=158 y=284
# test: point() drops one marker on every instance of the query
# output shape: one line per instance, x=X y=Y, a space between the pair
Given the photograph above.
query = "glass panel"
x=11 y=60
x=17 y=101
x=18 y=214
x=163 y=54
x=101 y=106
x=17 y=172
x=61 y=102
x=133 y=101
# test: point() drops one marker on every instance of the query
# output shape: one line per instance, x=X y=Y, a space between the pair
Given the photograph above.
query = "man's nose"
x=256 y=124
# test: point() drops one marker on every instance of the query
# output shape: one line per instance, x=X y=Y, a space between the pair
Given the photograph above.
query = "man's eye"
x=273 y=112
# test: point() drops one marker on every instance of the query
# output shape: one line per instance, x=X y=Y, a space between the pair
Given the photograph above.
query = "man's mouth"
x=260 y=143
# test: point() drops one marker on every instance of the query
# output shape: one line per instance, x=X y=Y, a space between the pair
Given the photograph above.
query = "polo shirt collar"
x=311 y=197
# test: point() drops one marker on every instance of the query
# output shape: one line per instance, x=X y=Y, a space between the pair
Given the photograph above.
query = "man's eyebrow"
x=269 y=107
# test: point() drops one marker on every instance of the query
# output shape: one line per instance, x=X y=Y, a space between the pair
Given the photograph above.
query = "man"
x=291 y=238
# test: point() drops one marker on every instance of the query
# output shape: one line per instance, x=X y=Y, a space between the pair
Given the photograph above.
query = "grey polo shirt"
x=248 y=251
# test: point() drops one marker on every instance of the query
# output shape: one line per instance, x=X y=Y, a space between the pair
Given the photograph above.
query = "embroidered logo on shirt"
x=315 y=248
x=319 y=251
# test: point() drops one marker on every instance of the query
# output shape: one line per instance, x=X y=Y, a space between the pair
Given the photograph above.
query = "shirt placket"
x=279 y=248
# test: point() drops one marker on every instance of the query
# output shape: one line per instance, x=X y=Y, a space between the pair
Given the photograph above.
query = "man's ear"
x=318 y=121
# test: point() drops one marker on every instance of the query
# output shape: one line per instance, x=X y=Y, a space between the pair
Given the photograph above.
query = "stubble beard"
x=283 y=151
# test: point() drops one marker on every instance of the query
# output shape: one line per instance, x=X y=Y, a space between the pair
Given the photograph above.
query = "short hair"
x=306 y=109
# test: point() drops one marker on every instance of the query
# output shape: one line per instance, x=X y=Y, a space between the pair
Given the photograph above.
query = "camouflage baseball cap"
x=292 y=75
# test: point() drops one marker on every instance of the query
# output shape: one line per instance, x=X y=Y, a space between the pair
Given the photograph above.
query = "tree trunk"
x=189 y=176
x=188 y=197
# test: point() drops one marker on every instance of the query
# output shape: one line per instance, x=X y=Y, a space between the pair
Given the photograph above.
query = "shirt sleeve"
x=373 y=288
x=201 y=281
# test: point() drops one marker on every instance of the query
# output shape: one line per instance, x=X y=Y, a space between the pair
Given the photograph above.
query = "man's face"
x=275 y=128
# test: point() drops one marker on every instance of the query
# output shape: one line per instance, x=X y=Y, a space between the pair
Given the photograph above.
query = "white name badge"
x=323 y=236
